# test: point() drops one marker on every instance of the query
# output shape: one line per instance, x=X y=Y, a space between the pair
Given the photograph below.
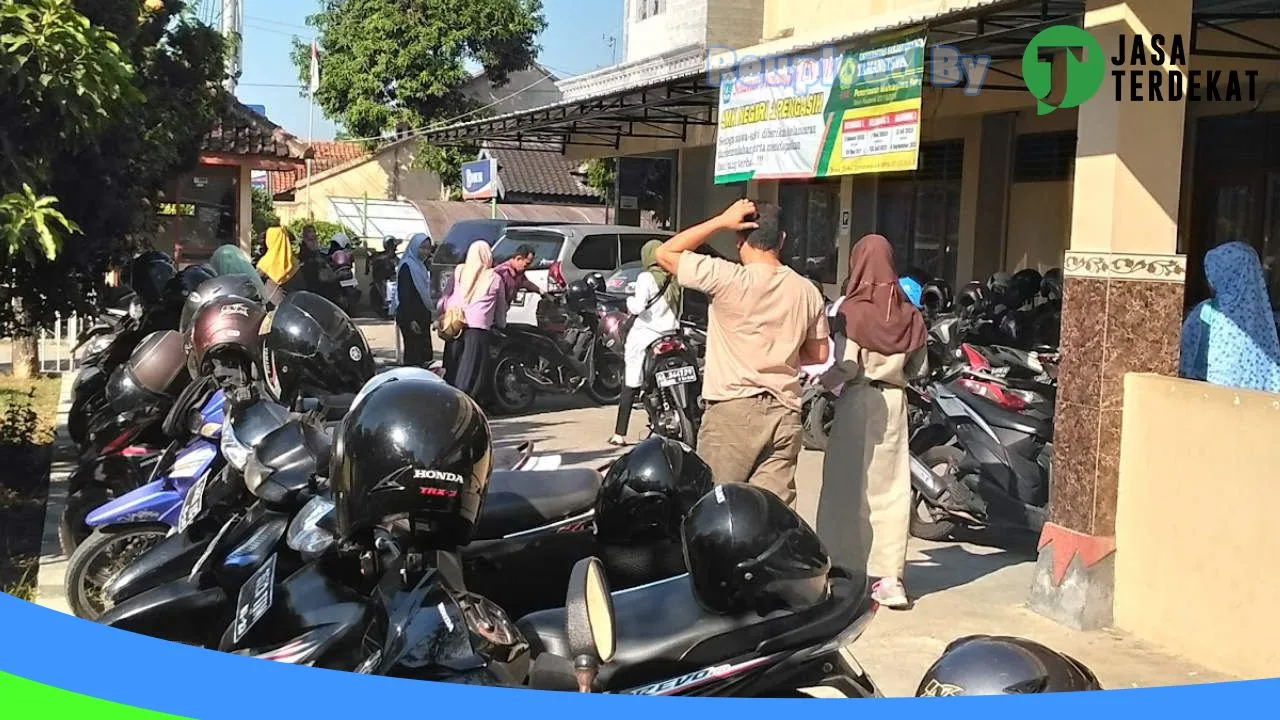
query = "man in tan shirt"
x=765 y=322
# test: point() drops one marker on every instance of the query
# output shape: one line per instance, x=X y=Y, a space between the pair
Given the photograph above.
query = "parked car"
x=451 y=250
x=568 y=252
x=694 y=305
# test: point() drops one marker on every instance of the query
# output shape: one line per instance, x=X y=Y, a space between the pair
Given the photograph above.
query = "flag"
x=315 y=68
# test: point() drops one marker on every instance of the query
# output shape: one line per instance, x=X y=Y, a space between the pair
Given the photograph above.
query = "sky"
x=573 y=43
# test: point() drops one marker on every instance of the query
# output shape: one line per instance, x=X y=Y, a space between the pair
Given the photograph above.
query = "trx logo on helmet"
x=238 y=309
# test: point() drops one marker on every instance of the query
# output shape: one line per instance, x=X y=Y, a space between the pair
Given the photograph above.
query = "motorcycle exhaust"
x=930 y=485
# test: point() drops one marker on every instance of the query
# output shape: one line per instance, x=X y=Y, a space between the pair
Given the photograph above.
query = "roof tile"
x=532 y=172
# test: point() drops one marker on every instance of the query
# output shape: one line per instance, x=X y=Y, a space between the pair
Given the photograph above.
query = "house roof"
x=533 y=172
x=327 y=156
x=243 y=132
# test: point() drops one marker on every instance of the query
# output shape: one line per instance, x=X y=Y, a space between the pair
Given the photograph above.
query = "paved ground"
x=960 y=588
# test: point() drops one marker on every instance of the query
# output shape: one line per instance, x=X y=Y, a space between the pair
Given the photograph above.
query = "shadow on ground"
x=952 y=566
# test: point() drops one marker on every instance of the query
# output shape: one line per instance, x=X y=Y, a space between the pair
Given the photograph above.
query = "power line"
x=269 y=21
x=274 y=31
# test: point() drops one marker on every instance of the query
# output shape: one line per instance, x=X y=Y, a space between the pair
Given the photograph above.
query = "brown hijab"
x=877 y=314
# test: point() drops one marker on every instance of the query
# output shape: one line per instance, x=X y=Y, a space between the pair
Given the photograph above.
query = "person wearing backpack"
x=655 y=305
x=473 y=302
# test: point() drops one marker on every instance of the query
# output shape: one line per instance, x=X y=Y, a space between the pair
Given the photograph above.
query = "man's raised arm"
x=735 y=219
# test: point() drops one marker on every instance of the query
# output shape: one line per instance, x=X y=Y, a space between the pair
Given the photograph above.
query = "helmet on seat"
x=972 y=297
x=595 y=282
x=648 y=492
x=241 y=286
x=311 y=344
x=579 y=292
x=998 y=286
x=747 y=551
x=1025 y=285
x=984 y=665
x=911 y=288
x=935 y=296
x=613 y=330
x=182 y=285
x=149 y=273
x=1051 y=285
x=225 y=333
x=413 y=453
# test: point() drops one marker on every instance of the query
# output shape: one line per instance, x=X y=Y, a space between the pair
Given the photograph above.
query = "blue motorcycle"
x=128 y=526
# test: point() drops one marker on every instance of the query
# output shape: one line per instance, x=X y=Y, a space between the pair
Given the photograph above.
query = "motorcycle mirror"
x=589 y=624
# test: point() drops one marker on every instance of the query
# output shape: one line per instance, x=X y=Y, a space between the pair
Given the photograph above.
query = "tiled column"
x=1122 y=311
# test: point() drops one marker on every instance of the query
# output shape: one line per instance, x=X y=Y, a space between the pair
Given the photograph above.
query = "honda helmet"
x=984 y=665
x=413 y=454
x=647 y=492
x=224 y=333
x=748 y=552
x=241 y=286
x=148 y=275
x=311 y=344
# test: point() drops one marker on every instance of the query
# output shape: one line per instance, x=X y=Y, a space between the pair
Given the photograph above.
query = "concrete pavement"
x=960 y=588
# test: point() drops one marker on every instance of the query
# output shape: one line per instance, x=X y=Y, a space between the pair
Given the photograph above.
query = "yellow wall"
x=387 y=176
x=1039 y=229
x=1195 y=527
x=800 y=22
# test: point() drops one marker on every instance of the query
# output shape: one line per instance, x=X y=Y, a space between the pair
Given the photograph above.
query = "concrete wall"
x=1195 y=527
x=389 y=175
x=682 y=23
x=1039 y=229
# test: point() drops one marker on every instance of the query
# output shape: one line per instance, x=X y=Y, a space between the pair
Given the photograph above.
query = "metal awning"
x=1000 y=29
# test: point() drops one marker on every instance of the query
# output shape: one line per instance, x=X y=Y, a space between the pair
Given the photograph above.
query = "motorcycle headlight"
x=305 y=534
x=235 y=452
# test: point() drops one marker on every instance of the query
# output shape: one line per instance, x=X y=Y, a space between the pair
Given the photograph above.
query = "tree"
x=391 y=66
x=102 y=104
x=264 y=212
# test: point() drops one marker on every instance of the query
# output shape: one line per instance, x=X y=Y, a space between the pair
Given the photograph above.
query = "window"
x=650 y=8
x=1044 y=157
x=546 y=247
x=811 y=219
x=199 y=213
x=919 y=212
x=631 y=245
x=597 y=252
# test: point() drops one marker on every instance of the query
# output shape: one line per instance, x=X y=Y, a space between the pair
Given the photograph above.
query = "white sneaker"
x=890 y=593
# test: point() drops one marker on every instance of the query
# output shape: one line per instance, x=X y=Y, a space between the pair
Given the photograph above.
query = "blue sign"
x=480 y=180
x=260 y=109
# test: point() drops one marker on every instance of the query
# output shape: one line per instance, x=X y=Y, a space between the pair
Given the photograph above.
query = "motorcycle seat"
x=997 y=416
x=662 y=632
x=523 y=500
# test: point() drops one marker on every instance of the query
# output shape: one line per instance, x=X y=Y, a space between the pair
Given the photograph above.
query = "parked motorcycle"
x=382 y=266
x=671 y=386
x=563 y=354
x=348 y=286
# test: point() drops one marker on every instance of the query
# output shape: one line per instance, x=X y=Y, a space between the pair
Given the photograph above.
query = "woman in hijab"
x=865 y=504
x=279 y=264
x=476 y=290
x=409 y=306
x=656 y=307
x=231 y=260
x=1231 y=339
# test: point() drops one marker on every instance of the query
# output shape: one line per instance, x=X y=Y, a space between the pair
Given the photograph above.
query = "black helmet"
x=312 y=344
x=935 y=296
x=415 y=453
x=747 y=551
x=182 y=285
x=972 y=297
x=225 y=332
x=983 y=665
x=1026 y=285
x=579 y=292
x=1051 y=285
x=648 y=491
x=595 y=281
x=157 y=369
x=389 y=244
x=241 y=286
x=148 y=275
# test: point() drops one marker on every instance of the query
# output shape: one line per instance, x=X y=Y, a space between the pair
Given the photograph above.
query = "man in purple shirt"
x=512 y=273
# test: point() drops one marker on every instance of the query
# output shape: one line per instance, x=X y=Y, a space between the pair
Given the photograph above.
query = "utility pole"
x=232 y=28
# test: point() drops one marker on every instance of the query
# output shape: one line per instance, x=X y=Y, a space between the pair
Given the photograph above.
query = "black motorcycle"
x=672 y=390
x=382 y=267
x=563 y=354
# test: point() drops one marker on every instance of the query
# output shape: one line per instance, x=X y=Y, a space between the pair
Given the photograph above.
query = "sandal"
x=618 y=441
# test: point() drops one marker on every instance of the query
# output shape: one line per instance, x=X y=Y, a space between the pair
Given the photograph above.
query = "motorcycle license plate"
x=349 y=282
x=676 y=376
x=393 y=292
x=193 y=504
x=255 y=598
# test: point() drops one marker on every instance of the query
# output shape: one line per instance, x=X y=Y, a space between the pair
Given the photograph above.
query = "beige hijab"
x=475 y=276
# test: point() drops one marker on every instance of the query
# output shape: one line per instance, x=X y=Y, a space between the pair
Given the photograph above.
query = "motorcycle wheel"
x=72 y=529
x=100 y=558
x=513 y=393
x=817 y=423
x=943 y=461
x=606 y=388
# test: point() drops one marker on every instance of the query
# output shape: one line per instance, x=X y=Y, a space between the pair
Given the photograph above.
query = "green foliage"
x=602 y=174
x=264 y=212
x=102 y=105
x=390 y=66
x=19 y=421
x=324 y=230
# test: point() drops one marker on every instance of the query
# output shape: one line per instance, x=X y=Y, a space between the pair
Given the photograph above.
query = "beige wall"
x=390 y=175
x=1039 y=225
x=1195 y=525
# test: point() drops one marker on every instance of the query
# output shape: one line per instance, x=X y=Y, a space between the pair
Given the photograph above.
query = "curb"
x=50 y=578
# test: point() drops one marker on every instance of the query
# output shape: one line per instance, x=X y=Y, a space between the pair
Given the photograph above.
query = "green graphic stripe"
x=21 y=699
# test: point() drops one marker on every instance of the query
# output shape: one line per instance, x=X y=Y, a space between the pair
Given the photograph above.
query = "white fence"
x=56 y=345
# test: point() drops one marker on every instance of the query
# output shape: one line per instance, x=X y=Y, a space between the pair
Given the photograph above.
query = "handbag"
x=451 y=324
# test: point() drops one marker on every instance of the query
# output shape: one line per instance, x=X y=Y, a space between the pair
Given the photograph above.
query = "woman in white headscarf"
x=476 y=290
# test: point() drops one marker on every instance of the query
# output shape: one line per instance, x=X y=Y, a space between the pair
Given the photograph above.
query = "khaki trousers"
x=755 y=440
